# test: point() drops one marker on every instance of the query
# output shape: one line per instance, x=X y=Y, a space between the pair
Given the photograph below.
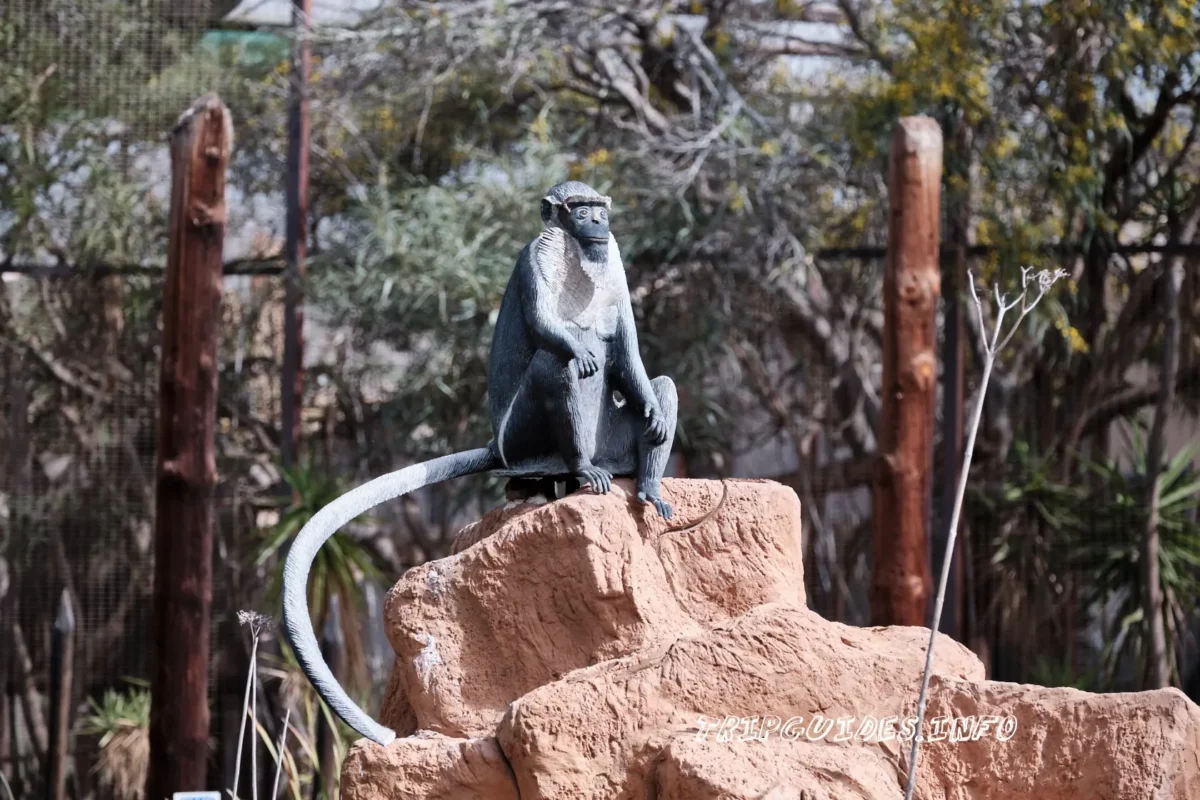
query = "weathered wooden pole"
x=291 y=390
x=186 y=463
x=62 y=667
x=901 y=583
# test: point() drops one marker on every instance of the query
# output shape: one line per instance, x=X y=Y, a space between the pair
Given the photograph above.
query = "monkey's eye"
x=603 y=214
x=581 y=213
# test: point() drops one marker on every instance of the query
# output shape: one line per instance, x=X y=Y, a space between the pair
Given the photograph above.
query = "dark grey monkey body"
x=564 y=344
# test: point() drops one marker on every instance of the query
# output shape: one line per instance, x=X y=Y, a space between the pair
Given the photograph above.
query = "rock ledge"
x=585 y=649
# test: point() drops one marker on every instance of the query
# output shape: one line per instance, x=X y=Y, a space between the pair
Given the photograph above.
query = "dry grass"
x=124 y=762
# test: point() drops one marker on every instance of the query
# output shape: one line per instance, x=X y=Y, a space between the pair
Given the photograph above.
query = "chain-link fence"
x=80 y=397
x=89 y=92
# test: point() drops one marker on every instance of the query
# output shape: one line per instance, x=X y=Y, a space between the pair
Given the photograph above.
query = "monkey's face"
x=587 y=223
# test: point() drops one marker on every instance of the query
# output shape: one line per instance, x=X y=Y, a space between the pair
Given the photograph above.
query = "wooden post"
x=186 y=469
x=901 y=583
x=62 y=665
x=291 y=390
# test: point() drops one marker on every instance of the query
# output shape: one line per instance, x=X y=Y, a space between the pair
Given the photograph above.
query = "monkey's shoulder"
x=552 y=256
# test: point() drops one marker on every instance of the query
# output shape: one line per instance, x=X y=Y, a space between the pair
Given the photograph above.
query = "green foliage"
x=309 y=711
x=1047 y=671
x=340 y=568
x=98 y=59
x=117 y=712
x=1081 y=116
x=1026 y=521
x=122 y=721
x=1109 y=552
x=1052 y=545
x=421 y=270
x=90 y=90
x=342 y=563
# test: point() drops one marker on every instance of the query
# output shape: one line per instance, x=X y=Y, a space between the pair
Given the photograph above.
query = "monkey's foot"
x=599 y=479
x=664 y=508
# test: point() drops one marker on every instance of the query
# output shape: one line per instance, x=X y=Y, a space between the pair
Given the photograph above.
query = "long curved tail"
x=296 y=620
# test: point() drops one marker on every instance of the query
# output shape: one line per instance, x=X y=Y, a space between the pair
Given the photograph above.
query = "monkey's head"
x=579 y=210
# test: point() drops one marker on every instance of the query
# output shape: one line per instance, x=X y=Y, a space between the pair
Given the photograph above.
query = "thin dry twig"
x=257 y=624
x=279 y=753
x=1045 y=279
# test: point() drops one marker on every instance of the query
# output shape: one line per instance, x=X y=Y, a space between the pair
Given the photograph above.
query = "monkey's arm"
x=629 y=373
x=536 y=302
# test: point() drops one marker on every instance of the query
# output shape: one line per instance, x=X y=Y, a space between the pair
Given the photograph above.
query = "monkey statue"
x=570 y=402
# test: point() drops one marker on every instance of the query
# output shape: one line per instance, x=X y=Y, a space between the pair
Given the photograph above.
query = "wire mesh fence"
x=78 y=489
x=88 y=95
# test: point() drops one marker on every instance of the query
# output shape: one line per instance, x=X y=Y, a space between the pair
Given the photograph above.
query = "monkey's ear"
x=547 y=209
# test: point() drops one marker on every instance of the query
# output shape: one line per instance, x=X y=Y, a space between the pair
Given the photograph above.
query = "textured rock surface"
x=548 y=589
x=774 y=768
x=1067 y=744
x=778 y=659
x=428 y=766
x=569 y=650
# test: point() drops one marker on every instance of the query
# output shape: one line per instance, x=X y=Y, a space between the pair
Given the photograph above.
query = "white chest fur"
x=584 y=293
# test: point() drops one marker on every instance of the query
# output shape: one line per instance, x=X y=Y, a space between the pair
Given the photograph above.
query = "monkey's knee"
x=668 y=396
x=551 y=376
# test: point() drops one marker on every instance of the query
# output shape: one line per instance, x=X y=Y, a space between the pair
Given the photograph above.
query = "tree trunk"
x=186 y=468
x=62 y=664
x=15 y=482
x=954 y=275
x=31 y=701
x=1158 y=666
x=901 y=582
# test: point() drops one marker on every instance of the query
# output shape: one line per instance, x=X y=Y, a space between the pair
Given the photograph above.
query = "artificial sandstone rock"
x=596 y=732
x=540 y=590
x=1066 y=744
x=396 y=713
x=427 y=767
x=568 y=650
x=694 y=769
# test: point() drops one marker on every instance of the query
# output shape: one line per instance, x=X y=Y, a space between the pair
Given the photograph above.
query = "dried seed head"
x=257 y=622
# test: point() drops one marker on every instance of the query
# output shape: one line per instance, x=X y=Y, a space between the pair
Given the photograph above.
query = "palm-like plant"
x=339 y=570
x=122 y=721
x=1025 y=523
x=1108 y=552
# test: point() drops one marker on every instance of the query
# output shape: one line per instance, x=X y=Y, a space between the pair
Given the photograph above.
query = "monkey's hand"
x=586 y=364
x=656 y=425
